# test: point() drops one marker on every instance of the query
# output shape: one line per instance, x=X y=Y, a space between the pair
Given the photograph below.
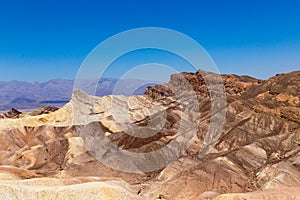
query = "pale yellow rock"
x=49 y=188
x=8 y=176
x=76 y=147
x=288 y=193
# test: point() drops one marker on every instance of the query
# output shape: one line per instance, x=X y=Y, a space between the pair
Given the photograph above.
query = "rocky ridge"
x=255 y=157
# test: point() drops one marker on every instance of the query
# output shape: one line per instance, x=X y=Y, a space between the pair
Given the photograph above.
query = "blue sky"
x=42 y=40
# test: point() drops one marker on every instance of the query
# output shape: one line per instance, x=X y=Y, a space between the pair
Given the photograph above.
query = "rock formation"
x=13 y=113
x=256 y=156
x=43 y=110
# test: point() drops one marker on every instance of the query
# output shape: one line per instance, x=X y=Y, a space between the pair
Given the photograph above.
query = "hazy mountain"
x=30 y=95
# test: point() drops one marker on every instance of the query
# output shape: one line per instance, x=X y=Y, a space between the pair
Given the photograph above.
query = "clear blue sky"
x=42 y=40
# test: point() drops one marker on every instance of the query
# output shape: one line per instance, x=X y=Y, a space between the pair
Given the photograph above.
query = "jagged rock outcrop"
x=256 y=156
x=43 y=110
x=13 y=113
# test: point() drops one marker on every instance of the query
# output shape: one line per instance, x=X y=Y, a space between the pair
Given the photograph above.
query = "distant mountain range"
x=31 y=95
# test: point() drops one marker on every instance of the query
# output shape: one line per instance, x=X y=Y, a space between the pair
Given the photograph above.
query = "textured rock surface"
x=257 y=156
x=283 y=193
x=13 y=113
x=47 y=188
x=44 y=110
